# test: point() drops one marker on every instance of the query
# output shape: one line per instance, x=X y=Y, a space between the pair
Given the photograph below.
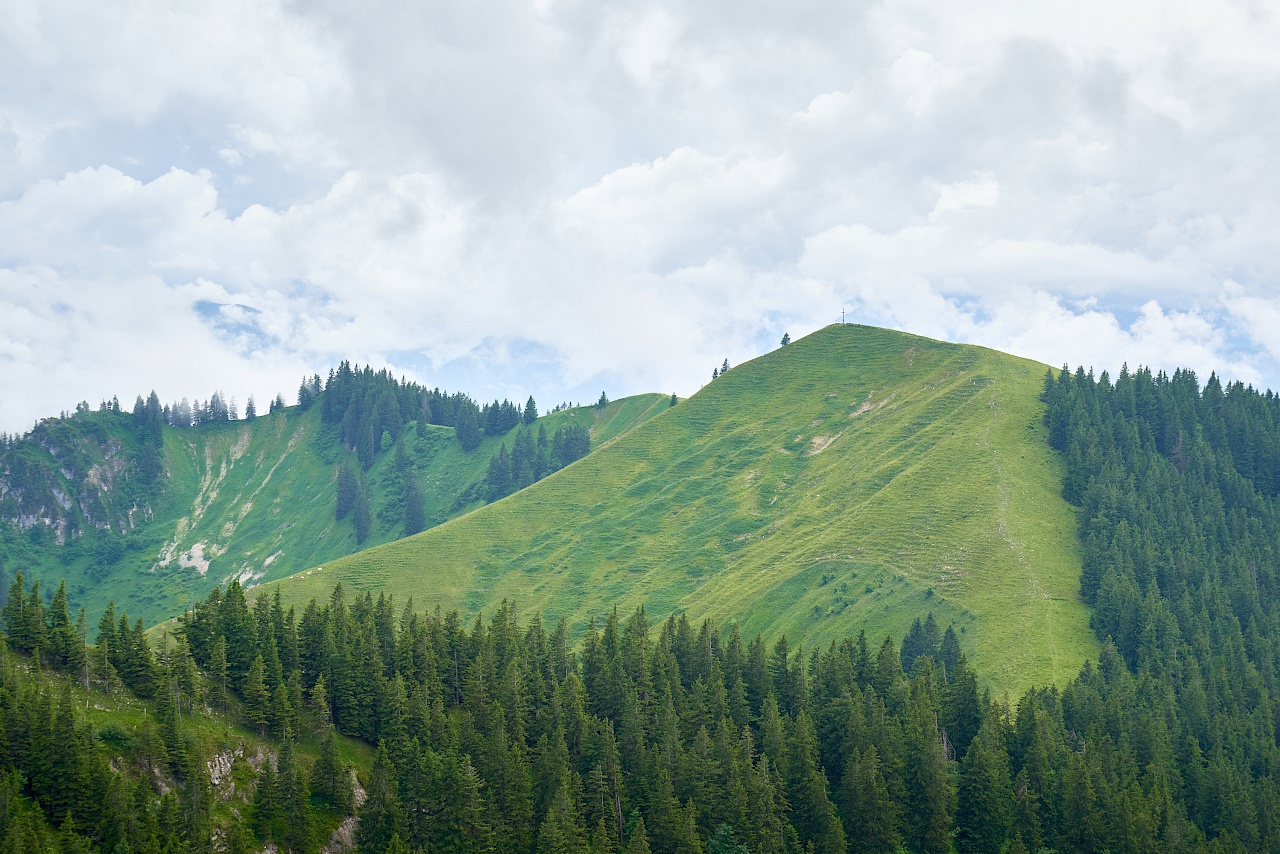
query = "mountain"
x=251 y=500
x=858 y=478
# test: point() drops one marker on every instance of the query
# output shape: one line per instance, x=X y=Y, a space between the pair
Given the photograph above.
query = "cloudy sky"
x=561 y=196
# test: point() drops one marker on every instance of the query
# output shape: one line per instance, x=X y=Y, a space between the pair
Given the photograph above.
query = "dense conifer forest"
x=503 y=734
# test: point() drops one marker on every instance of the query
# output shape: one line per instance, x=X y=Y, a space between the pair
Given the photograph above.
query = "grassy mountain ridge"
x=860 y=477
x=252 y=500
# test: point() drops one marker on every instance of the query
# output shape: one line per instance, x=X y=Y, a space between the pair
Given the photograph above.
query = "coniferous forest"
x=505 y=734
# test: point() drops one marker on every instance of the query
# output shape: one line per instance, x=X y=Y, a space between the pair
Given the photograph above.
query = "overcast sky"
x=560 y=197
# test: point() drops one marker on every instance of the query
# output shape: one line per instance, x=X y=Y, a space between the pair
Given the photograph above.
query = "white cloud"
x=623 y=192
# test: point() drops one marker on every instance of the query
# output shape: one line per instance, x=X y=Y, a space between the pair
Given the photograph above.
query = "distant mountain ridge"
x=153 y=516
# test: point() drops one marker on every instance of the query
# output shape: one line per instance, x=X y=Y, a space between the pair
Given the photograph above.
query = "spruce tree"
x=62 y=644
x=362 y=514
x=985 y=792
x=414 y=516
x=562 y=831
x=381 y=817
x=218 y=673
x=929 y=793
x=639 y=841
x=257 y=700
x=812 y=813
x=348 y=487
x=13 y=614
x=870 y=815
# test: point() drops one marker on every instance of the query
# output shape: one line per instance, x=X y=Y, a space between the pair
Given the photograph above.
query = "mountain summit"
x=858 y=478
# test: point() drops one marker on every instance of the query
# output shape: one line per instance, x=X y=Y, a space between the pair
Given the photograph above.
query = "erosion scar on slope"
x=1002 y=528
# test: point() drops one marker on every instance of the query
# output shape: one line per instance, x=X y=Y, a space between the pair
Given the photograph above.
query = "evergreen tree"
x=348 y=490
x=467 y=429
x=562 y=830
x=257 y=700
x=381 y=817
x=362 y=514
x=414 y=515
x=639 y=841
x=218 y=671
x=871 y=817
x=985 y=792
x=929 y=793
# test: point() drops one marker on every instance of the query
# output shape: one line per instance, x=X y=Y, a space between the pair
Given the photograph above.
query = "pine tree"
x=786 y=338
x=724 y=842
x=380 y=817
x=348 y=488
x=530 y=411
x=362 y=515
x=293 y=794
x=319 y=700
x=13 y=614
x=985 y=792
x=871 y=817
x=268 y=811
x=414 y=515
x=562 y=831
x=218 y=673
x=467 y=428
x=257 y=700
x=813 y=814
x=639 y=841
x=330 y=778
x=929 y=793
x=62 y=644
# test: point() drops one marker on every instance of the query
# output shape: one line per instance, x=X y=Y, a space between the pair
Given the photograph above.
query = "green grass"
x=255 y=501
x=858 y=478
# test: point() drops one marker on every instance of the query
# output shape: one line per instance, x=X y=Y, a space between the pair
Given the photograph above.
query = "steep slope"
x=860 y=477
x=252 y=500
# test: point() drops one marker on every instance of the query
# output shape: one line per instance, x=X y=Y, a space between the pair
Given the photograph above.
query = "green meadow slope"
x=252 y=500
x=857 y=478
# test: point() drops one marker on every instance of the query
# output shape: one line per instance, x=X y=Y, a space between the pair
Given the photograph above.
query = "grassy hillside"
x=859 y=477
x=249 y=500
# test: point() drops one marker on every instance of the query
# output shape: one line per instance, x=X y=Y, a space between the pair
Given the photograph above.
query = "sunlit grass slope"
x=857 y=478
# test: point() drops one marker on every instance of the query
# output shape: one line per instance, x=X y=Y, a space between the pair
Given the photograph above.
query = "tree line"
x=1177 y=487
x=533 y=459
x=503 y=736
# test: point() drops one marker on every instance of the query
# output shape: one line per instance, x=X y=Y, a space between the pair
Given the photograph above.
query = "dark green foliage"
x=786 y=338
x=531 y=460
x=985 y=793
x=497 y=737
x=415 y=518
x=499 y=418
x=468 y=429
x=361 y=514
x=530 y=413
x=922 y=641
x=1177 y=487
x=348 y=490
